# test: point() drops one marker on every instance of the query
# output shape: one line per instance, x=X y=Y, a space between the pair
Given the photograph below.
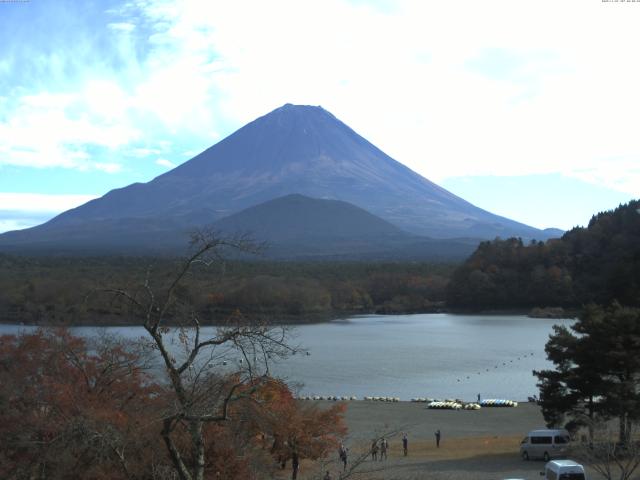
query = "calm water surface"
x=406 y=356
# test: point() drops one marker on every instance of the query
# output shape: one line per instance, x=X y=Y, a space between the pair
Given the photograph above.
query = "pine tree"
x=597 y=374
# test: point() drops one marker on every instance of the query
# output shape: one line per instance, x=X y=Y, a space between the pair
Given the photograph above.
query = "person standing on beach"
x=342 y=452
x=295 y=465
x=478 y=398
x=374 y=449
x=437 y=438
x=405 y=444
x=383 y=448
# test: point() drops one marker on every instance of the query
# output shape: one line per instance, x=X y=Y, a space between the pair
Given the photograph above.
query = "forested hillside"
x=596 y=264
x=67 y=290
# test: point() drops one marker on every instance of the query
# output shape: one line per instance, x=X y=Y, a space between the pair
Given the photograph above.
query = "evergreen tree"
x=597 y=372
x=596 y=264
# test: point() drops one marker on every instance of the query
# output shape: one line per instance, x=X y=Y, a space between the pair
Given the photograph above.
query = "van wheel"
x=546 y=457
x=525 y=456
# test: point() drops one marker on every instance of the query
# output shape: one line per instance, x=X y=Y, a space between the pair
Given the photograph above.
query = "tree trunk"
x=294 y=466
x=591 y=414
x=195 y=428
x=174 y=454
x=624 y=428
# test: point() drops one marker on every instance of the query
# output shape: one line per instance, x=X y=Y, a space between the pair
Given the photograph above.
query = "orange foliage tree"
x=74 y=411
x=295 y=430
x=70 y=409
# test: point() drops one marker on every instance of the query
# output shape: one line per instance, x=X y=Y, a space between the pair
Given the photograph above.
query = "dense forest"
x=596 y=264
x=71 y=290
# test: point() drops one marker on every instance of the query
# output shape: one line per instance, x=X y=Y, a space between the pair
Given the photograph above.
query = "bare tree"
x=208 y=369
x=609 y=457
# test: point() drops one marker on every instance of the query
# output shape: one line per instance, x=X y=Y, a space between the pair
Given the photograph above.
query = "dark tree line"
x=53 y=290
x=599 y=264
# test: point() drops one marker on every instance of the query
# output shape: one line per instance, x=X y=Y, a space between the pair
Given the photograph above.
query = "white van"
x=545 y=444
x=564 y=470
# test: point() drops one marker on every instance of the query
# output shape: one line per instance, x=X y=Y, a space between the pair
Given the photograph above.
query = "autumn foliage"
x=67 y=410
x=295 y=430
x=73 y=408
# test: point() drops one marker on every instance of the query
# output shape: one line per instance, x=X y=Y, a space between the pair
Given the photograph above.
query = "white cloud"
x=25 y=210
x=163 y=162
x=122 y=26
x=144 y=152
x=7 y=225
x=419 y=80
x=105 y=99
x=108 y=167
x=449 y=88
x=57 y=129
x=38 y=202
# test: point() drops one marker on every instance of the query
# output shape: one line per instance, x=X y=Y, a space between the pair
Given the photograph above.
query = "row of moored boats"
x=447 y=404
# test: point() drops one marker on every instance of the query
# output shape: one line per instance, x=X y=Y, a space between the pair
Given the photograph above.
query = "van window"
x=560 y=439
x=541 y=440
x=571 y=476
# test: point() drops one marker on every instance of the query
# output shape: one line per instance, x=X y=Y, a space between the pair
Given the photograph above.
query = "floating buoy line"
x=506 y=363
x=436 y=404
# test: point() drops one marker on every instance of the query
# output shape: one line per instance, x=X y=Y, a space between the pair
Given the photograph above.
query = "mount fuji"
x=295 y=149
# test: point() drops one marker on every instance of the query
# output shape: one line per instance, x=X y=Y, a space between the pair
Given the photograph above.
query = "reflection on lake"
x=429 y=355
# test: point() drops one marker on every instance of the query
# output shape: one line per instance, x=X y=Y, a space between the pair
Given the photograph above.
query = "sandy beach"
x=478 y=445
x=366 y=417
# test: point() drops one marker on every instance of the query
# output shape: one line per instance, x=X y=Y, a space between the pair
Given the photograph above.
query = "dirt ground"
x=478 y=445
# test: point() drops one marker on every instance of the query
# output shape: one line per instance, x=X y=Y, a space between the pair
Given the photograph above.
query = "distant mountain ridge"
x=292 y=150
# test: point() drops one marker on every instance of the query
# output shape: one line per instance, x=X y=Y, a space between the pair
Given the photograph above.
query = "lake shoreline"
x=293 y=320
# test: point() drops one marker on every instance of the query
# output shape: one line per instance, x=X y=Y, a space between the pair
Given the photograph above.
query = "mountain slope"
x=299 y=218
x=295 y=226
x=294 y=149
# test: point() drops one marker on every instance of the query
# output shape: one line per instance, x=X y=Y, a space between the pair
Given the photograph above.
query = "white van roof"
x=565 y=463
x=566 y=466
x=547 y=431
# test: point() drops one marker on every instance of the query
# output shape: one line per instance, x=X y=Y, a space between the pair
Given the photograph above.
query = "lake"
x=406 y=356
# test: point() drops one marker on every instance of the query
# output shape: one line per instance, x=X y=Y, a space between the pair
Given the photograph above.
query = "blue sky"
x=527 y=109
